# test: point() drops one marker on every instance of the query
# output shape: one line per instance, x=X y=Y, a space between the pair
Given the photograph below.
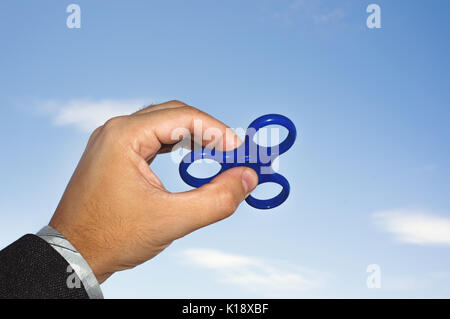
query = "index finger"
x=159 y=127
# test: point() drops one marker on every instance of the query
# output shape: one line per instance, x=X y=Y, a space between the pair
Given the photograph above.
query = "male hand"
x=116 y=211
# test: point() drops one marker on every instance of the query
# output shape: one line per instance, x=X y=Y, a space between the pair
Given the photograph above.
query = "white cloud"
x=308 y=11
x=415 y=227
x=86 y=114
x=253 y=273
x=215 y=259
x=328 y=17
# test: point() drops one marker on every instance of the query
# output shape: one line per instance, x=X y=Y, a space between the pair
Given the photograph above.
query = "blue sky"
x=368 y=173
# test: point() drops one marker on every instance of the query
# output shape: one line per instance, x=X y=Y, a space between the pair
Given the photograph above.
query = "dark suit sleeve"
x=31 y=268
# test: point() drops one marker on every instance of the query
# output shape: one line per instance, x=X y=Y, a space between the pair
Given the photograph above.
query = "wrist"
x=85 y=248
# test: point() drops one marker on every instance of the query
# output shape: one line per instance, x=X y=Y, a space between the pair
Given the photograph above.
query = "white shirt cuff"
x=75 y=260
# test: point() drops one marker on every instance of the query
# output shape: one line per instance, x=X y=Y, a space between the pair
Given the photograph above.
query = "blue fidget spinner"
x=249 y=154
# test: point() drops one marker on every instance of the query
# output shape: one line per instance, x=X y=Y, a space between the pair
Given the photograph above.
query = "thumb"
x=218 y=199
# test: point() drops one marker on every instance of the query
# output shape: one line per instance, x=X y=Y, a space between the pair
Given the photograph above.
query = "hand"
x=116 y=211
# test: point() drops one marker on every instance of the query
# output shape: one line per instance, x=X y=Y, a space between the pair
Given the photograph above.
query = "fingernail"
x=249 y=180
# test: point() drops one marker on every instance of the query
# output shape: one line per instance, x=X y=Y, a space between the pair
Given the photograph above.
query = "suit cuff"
x=75 y=260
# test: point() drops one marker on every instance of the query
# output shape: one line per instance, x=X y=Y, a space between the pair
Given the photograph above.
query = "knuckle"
x=177 y=102
x=94 y=134
x=114 y=129
x=190 y=108
x=114 y=122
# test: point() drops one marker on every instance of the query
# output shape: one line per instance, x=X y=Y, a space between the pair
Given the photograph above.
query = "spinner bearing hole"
x=204 y=168
x=270 y=135
x=266 y=191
